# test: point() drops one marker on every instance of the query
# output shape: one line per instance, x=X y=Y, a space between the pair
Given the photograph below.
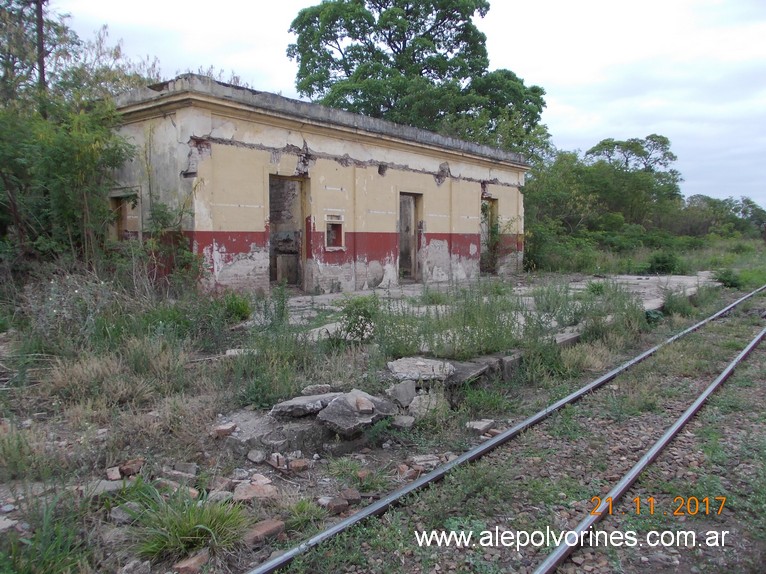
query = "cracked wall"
x=343 y=222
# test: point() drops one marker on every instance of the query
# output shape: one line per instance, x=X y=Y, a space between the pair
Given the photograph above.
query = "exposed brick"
x=224 y=430
x=113 y=473
x=192 y=564
x=263 y=530
x=132 y=466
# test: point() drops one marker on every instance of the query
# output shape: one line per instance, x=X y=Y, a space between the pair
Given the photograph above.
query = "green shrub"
x=358 y=317
x=237 y=307
x=677 y=304
x=664 y=263
x=728 y=278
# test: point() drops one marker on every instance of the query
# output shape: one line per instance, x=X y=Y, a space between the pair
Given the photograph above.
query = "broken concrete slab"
x=303 y=405
x=264 y=432
x=402 y=393
x=510 y=364
x=425 y=404
x=465 y=373
x=420 y=369
x=352 y=412
x=403 y=422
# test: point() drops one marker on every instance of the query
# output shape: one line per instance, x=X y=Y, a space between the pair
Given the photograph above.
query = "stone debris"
x=192 y=564
x=343 y=414
x=427 y=461
x=187 y=467
x=179 y=477
x=136 y=567
x=402 y=393
x=113 y=473
x=223 y=430
x=427 y=403
x=303 y=406
x=420 y=369
x=245 y=492
x=99 y=487
x=466 y=373
x=263 y=530
x=316 y=390
x=6 y=524
x=257 y=455
x=173 y=486
x=481 y=426
x=220 y=496
x=403 y=422
x=132 y=466
x=124 y=514
x=351 y=495
x=221 y=483
x=299 y=465
x=333 y=504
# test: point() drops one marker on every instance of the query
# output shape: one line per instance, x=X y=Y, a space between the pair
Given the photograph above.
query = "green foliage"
x=421 y=64
x=358 y=317
x=728 y=278
x=172 y=527
x=57 y=544
x=303 y=514
x=678 y=304
x=664 y=263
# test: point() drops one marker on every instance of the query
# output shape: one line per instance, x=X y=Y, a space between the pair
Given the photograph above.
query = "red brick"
x=263 y=530
x=192 y=564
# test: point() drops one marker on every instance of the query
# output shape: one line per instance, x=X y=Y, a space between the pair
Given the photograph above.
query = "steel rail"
x=563 y=550
x=479 y=451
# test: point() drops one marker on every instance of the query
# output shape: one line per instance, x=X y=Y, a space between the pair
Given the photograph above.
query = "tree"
x=24 y=54
x=420 y=63
x=57 y=142
x=634 y=177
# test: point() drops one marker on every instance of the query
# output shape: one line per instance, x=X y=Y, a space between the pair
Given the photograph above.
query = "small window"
x=334 y=235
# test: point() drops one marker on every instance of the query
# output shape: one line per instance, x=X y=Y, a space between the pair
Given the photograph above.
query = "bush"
x=728 y=278
x=664 y=263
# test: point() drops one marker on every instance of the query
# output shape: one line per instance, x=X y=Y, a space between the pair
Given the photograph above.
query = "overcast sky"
x=691 y=70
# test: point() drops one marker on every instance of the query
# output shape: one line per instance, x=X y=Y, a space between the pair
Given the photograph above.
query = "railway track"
x=599 y=510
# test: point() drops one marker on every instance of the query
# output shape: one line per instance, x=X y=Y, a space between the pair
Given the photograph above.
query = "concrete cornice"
x=192 y=89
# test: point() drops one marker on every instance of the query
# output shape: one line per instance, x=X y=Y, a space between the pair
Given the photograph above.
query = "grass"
x=94 y=354
x=58 y=542
x=174 y=526
x=304 y=514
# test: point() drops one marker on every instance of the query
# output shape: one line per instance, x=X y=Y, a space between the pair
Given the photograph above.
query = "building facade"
x=273 y=189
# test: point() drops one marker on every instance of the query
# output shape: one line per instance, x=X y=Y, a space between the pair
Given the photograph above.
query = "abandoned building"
x=273 y=189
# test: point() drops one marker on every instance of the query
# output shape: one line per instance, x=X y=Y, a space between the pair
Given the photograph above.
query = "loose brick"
x=263 y=530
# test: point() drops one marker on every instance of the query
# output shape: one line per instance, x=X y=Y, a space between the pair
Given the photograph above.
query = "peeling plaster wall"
x=218 y=156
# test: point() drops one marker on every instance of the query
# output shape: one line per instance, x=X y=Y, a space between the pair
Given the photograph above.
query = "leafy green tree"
x=57 y=141
x=635 y=177
x=420 y=63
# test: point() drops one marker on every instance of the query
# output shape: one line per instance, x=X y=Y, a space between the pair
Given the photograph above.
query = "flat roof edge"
x=309 y=111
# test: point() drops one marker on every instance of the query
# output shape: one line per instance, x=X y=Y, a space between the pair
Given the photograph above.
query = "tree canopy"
x=420 y=63
x=57 y=143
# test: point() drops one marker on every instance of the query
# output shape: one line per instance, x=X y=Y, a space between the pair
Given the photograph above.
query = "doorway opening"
x=490 y=236
x=410 y=224
x=286 y=206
